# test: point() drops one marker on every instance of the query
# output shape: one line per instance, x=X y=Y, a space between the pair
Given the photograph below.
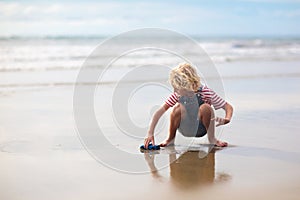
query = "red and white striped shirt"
x=207 y=95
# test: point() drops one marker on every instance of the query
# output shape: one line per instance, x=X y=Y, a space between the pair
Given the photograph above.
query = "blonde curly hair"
x=184 y=76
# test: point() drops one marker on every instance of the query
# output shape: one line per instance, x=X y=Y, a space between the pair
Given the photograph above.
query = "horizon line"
x=198 y=36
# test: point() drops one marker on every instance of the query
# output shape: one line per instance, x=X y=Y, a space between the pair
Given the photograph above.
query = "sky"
x=193 y=17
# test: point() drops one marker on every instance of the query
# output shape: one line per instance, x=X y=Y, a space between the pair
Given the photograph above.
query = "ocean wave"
x=68 y=53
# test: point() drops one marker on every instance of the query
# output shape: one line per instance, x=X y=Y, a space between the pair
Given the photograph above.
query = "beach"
x=42 y=154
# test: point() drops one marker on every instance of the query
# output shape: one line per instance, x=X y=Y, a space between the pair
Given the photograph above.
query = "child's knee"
x=205 y=110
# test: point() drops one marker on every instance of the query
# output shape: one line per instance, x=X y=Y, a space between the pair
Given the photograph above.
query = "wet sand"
x=41 y=156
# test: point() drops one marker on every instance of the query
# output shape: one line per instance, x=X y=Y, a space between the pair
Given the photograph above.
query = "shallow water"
x=43 y=157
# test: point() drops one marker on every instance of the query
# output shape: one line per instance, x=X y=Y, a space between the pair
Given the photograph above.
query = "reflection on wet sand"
x=190 y=170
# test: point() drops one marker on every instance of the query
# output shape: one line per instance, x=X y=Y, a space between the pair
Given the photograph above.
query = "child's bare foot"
x=221 y=144
x=167 y=143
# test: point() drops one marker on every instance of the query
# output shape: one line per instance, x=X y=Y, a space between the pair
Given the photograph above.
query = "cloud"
x=9 y=9
x=77 y=11
x=68 y=17
x=103 y=15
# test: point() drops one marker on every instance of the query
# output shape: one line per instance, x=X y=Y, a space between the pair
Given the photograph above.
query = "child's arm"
x=228 y=112
x=157 y=115
x=228 y=115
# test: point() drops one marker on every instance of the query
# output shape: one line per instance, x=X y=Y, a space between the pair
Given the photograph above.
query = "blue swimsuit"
x=190 y=125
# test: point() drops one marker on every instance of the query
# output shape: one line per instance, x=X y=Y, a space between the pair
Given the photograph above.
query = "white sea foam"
x=19 y=54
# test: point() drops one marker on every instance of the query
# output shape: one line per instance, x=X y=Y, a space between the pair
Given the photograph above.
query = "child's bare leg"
x=207 y=116
x=175 y=118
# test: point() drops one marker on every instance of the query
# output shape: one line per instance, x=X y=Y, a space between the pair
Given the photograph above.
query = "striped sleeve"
x=172 y=100
x=210 y=97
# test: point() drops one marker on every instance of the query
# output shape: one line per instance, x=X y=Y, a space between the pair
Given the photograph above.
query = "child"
x=192 y=114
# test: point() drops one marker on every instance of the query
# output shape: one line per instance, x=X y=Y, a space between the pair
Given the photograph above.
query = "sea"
x=27 y=62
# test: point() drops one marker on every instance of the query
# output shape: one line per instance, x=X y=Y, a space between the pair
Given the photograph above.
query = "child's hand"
x=148 y=140
x=221 y=121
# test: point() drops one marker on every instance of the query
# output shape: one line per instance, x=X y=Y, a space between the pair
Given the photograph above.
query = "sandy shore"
x=41 y=156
